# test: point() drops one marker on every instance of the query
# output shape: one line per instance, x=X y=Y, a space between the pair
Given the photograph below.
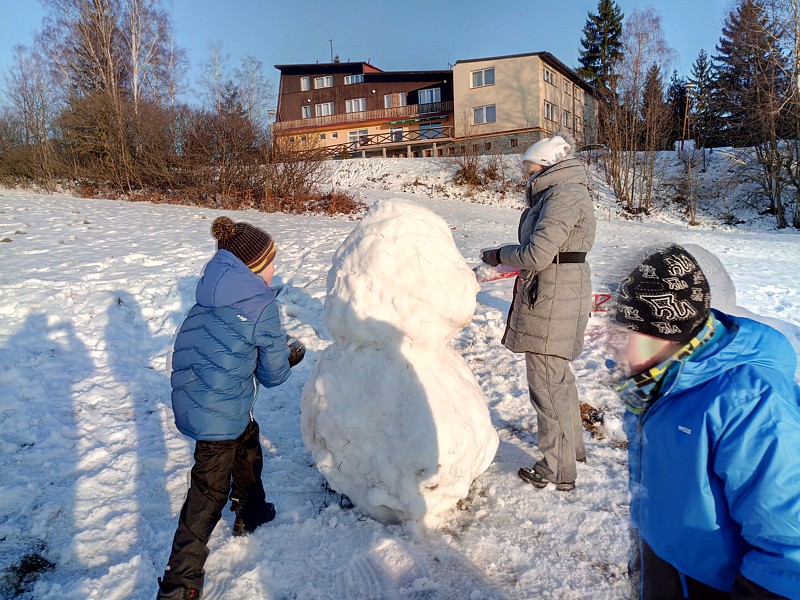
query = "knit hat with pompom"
x=253 y=246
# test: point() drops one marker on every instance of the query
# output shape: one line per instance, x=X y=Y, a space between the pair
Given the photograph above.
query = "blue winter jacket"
x=232 y=337
x=715 y=462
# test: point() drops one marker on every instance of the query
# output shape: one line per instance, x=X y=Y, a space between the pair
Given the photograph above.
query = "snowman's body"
x=392 y=414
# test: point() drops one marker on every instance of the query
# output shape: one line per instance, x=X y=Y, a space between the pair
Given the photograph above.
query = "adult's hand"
x=491 y=257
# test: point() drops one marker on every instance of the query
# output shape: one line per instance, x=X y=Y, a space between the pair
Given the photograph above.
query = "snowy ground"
x=94 y=472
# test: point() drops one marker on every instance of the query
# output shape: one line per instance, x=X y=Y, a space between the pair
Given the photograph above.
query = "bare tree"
x=214 y=75
x=33 y=107
x=255 y=92
x=645 y=50
x=753 y=91
x=145 y=31
x=787 y=14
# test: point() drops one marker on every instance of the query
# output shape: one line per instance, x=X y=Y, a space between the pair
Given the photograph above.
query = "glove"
x=296 y=350
x=491 y=257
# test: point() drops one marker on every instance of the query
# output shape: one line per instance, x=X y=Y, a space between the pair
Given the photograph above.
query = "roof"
x=546 y=57
x=360 y=66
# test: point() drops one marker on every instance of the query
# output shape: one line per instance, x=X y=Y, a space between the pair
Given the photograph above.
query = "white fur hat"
x=548 y=151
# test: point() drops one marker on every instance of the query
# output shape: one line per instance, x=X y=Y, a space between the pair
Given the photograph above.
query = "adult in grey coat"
x=552 y=301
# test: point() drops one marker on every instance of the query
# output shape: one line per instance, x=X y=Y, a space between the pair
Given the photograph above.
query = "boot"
x=529 y=475
x=247 y=519
x=179 y=593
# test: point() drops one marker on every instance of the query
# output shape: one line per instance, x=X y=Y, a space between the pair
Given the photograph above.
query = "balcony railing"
x=396 y=113
x=388 y=140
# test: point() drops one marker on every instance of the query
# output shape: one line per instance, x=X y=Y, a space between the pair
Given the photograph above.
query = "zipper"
x=660 y=401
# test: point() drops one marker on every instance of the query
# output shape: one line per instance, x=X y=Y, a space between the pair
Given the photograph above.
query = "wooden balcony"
x=398 y=113
x=389 y=141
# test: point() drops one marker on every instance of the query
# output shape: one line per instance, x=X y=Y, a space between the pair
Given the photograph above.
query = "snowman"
x=391 y=413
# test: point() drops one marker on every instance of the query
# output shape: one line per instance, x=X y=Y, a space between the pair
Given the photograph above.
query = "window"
x=483 y=77
x=474 y=147
x=348 y=79
x=358 y=136
x=395 y=99
x=513 y=142
x=549 y=111
x=577 y=124
x=549 y=77
x=430 y=96
x=335 y=134
x=322 y=136
x=305 y=84
x=306 y=111
x=429 y=131
x=487 y=146
x=356 y=105
x=484 y=114
x=323 y=110
x=567 y=119
x=396 y=134
x=567 y=87
x=323 y=82
x=451 y=151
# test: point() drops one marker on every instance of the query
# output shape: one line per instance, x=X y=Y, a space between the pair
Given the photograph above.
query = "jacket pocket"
x=530 y=289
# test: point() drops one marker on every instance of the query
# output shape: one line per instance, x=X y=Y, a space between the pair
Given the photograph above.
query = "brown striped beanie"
x=253 y=246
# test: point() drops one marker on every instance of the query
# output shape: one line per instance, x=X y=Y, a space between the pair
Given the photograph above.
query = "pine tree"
x=744 y=69
x=751 y=93
x=702 y=113
x=676 y=98
x=602 y=47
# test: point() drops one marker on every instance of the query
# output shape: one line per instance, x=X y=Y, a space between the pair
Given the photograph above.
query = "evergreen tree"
x=702 y=111
x=602 y=47
x=676 y=98
x=746 y=69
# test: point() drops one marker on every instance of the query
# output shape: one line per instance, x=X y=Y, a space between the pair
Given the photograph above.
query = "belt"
x=569 y=257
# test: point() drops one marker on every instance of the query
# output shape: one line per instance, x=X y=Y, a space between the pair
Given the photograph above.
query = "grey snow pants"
x=551 y=385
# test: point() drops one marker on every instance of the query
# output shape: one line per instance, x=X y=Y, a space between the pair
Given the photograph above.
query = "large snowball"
x=392 y=414
x=400 y=268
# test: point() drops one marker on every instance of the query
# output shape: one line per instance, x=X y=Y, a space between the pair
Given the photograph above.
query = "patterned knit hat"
x=667 y=296
x=253 y=246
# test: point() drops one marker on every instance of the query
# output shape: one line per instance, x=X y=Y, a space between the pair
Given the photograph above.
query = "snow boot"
x=247 y=519
x=529 y=475
x=179 y=593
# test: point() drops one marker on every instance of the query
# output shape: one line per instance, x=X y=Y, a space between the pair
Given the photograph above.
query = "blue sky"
x=407 y=35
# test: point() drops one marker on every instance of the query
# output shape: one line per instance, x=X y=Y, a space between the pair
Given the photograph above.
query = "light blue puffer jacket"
x=232 y=337
x=715 y=474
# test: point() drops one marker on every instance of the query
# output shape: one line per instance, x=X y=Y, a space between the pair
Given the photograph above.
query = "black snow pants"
x=221 y=468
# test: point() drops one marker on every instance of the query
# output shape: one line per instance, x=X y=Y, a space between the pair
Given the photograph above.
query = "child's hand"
x=297 y=350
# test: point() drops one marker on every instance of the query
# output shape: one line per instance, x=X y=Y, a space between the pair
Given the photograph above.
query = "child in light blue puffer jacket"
x=231 y=340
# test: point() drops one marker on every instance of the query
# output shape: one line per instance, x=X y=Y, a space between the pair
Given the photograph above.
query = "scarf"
x=637 y=392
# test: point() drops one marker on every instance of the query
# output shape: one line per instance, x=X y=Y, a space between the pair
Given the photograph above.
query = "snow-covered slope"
x=94 y=471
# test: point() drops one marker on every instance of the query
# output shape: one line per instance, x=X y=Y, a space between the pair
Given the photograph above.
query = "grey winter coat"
x=551 y=303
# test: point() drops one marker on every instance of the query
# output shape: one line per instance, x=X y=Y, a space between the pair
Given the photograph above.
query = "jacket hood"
x=746 y=342
x=570 y=170
x=227 y=281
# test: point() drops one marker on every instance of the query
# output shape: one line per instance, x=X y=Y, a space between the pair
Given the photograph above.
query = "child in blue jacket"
x=713 y=426
x=231 y=340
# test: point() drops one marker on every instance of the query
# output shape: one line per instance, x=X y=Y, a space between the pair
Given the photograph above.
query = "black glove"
x=491 y=257
x=296 y=350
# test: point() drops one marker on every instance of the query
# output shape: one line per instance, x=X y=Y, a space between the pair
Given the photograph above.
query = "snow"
x=392 y=414
x=94 y=471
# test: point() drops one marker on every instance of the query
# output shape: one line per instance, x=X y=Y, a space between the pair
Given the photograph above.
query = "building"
x=505 y=103
x=355 y=109
x=492 y=105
